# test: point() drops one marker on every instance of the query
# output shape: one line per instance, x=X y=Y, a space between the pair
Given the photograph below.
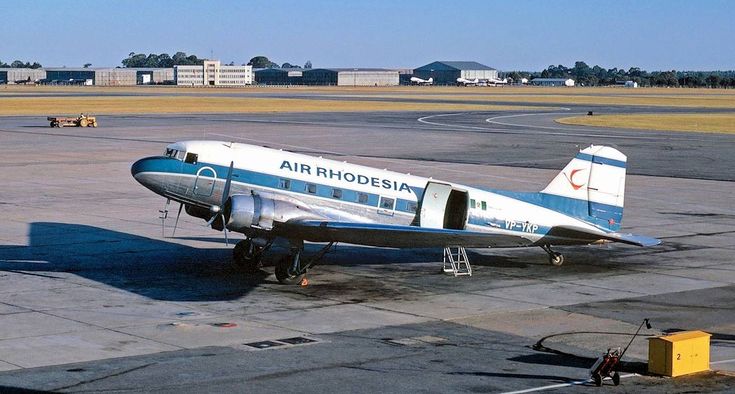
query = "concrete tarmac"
x=93 y=297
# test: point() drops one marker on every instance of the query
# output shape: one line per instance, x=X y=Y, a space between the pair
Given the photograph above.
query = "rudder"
x=595 y=178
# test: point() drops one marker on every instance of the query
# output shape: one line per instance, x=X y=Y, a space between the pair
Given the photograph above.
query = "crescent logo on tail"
x=570 y=178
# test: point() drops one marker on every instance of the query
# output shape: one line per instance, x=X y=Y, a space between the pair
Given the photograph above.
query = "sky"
x=508 y=35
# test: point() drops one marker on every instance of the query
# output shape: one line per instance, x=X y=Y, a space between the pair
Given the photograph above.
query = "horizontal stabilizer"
x=570 y=232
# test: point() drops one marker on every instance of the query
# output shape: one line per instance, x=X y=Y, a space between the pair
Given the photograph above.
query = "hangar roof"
x=454 y=65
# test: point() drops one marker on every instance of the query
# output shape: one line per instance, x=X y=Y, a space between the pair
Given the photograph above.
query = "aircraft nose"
x=143 y=166
x=139 y=167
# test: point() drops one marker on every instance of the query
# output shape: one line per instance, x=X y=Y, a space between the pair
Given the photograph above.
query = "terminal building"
x=20 y=75
x=279 y=76
x=552 y=82
x=212 y=73
x=447 y=72
x=350 y=77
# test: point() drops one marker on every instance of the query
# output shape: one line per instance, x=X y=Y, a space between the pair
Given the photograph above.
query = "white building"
x=212 y=73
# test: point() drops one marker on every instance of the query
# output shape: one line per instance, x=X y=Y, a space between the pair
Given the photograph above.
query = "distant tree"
x=86 y=65
x=231 y=63
x=17 y=64
x=713 y=81
x=163 y=60
x=307 y=64
x=289 y=65
x=262 y=62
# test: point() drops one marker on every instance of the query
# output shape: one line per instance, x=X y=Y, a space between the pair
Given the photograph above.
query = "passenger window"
x=191 y=158
x=387 y=203
x=412 y=207
x=484 y=206
x=337 y=193
x=472 y=203
x=284 y=184
x=362 y=198
x=311 y=188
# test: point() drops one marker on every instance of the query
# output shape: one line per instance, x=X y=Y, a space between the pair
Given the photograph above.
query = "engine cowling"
x=243 y=212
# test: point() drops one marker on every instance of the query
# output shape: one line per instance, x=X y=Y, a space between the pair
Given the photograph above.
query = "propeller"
x=217 y=210
x=181 y=205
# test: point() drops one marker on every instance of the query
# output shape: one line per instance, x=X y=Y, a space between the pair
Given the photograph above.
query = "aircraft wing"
x=396 y=236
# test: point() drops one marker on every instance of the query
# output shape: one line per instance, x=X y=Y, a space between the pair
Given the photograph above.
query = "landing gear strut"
x=555 y=258
x=247 y=255
x=291 y=269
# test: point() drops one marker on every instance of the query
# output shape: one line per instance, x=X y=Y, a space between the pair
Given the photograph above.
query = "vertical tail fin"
x=592 y=186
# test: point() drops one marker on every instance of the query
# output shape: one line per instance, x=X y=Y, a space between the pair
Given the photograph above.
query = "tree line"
x=164 y=60
x=20 y=64
x=585 y=75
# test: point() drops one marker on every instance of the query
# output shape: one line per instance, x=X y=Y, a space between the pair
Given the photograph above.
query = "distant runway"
x=93 y=298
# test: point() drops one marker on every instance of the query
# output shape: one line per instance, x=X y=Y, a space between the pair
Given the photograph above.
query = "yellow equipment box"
x=679 y=354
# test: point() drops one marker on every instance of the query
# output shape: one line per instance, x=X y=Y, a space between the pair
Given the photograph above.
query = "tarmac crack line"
x=119 y=373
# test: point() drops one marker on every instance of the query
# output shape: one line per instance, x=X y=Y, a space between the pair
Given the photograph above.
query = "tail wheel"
x=556 y=259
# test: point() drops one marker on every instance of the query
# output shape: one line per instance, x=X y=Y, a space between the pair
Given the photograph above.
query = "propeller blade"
x=224 y=229
x=181 y=205
x=163 y=217
x=228 y=183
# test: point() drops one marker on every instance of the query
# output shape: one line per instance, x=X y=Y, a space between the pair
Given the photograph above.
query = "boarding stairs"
x=456 y=261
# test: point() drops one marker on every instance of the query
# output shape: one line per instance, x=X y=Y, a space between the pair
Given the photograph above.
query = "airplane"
x=26 y=81
x=467 y=82
x=496 y=81
x=267 y=194
x=419 y=81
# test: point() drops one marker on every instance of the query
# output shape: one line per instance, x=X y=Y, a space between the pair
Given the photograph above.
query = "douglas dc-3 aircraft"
x=266 y=193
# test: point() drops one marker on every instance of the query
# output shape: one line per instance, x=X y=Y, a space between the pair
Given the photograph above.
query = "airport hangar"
x=447 y=72
x=10 y=75
x=328 y=76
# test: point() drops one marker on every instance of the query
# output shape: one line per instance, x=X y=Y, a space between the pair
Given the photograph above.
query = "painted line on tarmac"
x=732 y=360
x=579 y=382
x=530 y=132
x=575 y=129
x=561 y=385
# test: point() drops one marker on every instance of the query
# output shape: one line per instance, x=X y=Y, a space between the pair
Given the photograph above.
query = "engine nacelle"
x=243 y=213
x=198 y=212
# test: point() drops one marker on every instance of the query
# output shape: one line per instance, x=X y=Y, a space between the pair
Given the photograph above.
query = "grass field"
x=41 y=100
x=703 y=123
x=186 y=104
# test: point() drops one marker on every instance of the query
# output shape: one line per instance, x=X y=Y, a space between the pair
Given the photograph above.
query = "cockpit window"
x=174 y=154
x=191 y=158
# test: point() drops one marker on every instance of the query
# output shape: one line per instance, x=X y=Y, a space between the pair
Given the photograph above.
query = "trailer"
x=80 y=121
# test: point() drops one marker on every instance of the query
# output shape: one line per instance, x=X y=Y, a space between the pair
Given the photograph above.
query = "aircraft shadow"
x=149 y=267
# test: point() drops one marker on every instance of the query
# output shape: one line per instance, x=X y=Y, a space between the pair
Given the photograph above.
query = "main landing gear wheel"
x=248 y=256
x=555 y=258
x=288 y=269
